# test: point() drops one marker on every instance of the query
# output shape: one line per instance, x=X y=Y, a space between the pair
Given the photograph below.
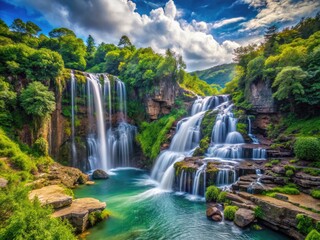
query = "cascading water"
x=253 y=137
x=109 y=144
x=183 y=143
x=73 y=97
x=196 y=181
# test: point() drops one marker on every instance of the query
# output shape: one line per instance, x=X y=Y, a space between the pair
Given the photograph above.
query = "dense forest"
x=33 y=67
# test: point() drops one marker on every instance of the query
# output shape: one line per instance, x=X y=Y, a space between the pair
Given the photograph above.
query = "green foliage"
x=7 y=101
x=22 y=219
x=288 y=189
x=304 y=223
x=97 y=216
x=41 y=146
x=315 y=193
x=258 y=213
x=311 y=171
x=275 y=161
x=229 y=212
x=222 y=197
x=37 y=100
x=152 y=135
x=307 y=148
x=289 y=173
x=212 y=193
x=313 y=235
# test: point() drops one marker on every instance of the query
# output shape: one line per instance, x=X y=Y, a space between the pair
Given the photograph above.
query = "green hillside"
x=217 y=75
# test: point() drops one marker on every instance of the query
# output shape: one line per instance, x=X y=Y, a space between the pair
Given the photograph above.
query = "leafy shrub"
x=258 y=213
x=212 y=193
x=97 y=216
x=307 y=148
x=304 y=223
x=315 y=193
x=313 y=235
x=222 y=197
x=229 y=212
x=41 y=146
x=289 y=173
x=275 y=161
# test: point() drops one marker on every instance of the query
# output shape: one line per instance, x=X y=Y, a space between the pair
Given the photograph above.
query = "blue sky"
x=204 y=32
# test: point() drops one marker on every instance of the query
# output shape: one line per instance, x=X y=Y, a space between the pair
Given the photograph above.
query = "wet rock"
x=100 y=174
x=53 y=195
x=90 y=183
x=78 y=212
x=216 y=218
x=243 y=217
x=281 y=197
x=278 y=170
x=3 y=182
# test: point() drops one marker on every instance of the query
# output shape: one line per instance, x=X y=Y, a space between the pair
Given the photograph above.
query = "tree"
x=7 y=101
x=288 y=83
x=18 y=26
x=32 y=28
x=60 y=32
x=44 y=65
x=271 y=43
x=91 y=49
x=125 y=42
x=37 y=101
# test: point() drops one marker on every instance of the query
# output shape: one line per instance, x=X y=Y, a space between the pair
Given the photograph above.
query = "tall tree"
x=18 y=26
x=32 y=28
x=125 y=42
x=91 y=49
x=60 y=32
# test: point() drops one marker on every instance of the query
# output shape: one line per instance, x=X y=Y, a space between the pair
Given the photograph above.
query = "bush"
x=289 y=173
x=41 y=146
x=304 y=224
x=212 y=193
x=307 y=148
x=313 y=235
x=222 y=197
x=315 y=194
x=97 y=216
x=229 y=212
x=258 y=213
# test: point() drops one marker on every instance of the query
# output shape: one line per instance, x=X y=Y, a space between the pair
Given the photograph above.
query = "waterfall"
x=196 y=180
x=184 y=142
x=259 y=153
x=73 y=97
x=109 y=140
x=226 y=176
x=253 y=137
x=101 y=130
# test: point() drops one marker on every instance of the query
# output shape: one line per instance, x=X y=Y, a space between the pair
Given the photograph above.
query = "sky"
x=204 y=32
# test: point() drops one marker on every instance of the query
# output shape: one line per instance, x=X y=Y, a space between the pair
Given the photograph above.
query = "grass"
x=289 y=189
x=303 y=127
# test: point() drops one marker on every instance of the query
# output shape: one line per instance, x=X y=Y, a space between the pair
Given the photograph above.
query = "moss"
x=311 y=171
x=258 y=213
x=315 y=193
x=304 y=223
x=289 y=173
x=313 y=235
x=288 y=189
x=229 y=212
x=183 y=166
x=97 y=216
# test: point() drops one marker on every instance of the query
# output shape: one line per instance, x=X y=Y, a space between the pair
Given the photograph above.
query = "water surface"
x=139 y=211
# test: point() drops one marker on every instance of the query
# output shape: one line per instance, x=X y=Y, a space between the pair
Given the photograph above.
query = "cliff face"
x=162 y=99
x=261 y=97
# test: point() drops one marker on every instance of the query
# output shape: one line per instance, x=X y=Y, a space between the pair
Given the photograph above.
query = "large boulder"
x=100 y=174
x=78 y=212
x=244 y=217
x=53 y=195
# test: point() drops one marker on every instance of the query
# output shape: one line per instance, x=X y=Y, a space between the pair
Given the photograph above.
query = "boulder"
x=3 y=182
x=216 y=218
x=100 y=174
x=243 y=217
x=78 y=212
x=53 y=195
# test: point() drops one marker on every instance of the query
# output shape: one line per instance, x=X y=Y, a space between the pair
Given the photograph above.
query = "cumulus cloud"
x=162 y=28
x=224 y=22
x=280 y=11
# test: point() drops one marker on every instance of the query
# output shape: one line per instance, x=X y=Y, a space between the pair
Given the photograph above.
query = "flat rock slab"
x=3 y=182
x=53 y=195
x=77 y=213
x=243 y=217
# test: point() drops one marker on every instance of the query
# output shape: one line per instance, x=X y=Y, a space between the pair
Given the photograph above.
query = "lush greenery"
x=22 y=219
x=313 y=235
x=287 y=61
x=315 y=193
x=307 y=148
x=152 y=135
x=305 y=224
x=212 y=193
x=219 y=75
x=229 y=212
x=290 y=189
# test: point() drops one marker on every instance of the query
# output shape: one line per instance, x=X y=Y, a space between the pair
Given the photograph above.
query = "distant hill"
x=217 y=75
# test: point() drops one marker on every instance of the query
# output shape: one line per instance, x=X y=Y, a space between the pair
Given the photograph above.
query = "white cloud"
x=162 y=28
x=224 y=22
x=280 y=11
